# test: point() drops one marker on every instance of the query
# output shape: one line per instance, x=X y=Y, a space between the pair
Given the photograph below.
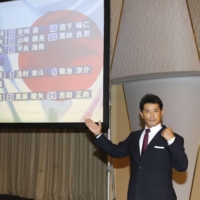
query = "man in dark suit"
x=152 y=153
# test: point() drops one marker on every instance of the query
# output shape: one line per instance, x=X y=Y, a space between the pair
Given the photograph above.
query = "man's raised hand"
x=94 y=128
x=168 y=134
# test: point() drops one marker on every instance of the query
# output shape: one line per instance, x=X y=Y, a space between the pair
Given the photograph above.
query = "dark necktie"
x=145 y=140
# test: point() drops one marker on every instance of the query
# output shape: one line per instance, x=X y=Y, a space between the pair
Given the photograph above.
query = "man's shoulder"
x=178 y=136
x=136 y=132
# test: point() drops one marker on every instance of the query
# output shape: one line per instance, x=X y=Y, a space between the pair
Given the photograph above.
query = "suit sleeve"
x=113 y=150
x=178 y=156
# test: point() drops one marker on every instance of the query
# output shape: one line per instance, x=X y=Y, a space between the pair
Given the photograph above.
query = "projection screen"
x=54 y=63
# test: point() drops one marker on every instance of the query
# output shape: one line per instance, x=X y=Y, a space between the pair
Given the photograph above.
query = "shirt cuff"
x=97 y=136
x=171 y=141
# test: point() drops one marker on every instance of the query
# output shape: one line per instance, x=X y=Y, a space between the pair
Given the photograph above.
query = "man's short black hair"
x=150 y=98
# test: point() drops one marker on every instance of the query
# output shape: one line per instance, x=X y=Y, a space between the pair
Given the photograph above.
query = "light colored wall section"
x=154 y=36
x=181 y=97
x=120 y=129
x=115 y=14
x=194 y=8
x=195 y=193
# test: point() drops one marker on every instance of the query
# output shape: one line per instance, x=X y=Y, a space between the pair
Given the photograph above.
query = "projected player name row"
x=16 y=40
x=28 y=41
x=42 y=34
x=22 y=48
x=52 y=28
x=61 y=95
x=39 y=73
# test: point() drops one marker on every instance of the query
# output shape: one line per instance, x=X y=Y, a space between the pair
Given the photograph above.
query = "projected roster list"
x=52 y=66
x=34 y=38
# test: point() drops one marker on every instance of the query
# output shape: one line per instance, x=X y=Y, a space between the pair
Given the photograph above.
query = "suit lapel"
x=135 y=146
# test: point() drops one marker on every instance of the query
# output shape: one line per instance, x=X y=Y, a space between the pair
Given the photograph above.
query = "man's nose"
x=151 y=114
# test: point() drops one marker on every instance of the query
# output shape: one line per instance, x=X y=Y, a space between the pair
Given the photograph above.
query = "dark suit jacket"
x=151 y=173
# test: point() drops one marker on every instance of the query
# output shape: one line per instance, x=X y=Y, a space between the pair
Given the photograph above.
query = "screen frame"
x=106 y=86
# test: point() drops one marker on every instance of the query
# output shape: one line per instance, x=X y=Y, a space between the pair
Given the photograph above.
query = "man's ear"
x=141 y=114
x=162 y=111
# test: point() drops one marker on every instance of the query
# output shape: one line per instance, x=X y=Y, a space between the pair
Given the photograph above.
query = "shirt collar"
x=155 y=129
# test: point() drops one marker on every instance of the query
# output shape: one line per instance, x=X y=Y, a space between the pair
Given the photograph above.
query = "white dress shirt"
x=152 y=133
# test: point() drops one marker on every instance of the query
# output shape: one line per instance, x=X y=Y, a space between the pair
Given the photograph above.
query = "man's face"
x=151 y=114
